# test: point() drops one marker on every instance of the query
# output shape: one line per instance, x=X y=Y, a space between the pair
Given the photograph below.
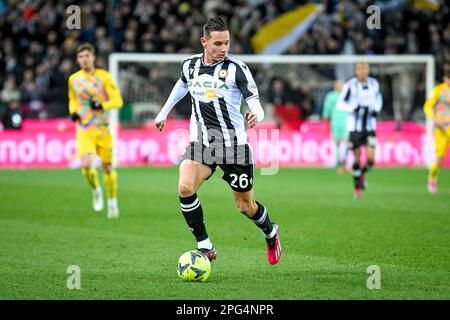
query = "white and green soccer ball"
x=193 y=266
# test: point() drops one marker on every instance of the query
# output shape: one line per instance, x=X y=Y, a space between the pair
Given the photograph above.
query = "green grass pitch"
x=329 y=239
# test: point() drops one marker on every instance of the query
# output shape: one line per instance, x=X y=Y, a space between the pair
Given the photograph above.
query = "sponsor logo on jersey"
x=252 y=88
x=207 y=84
x=211 y=93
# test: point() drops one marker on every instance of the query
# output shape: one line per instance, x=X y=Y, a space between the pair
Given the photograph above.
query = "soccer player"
x=361 y=97
x=338 y=121
x=217 y=82
x=437 y=108
x=92 y=93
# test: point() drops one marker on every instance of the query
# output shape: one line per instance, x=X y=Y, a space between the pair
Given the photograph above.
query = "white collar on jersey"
x=212 y=64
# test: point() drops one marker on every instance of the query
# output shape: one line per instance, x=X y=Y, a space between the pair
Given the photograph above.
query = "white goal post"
x=428 y=60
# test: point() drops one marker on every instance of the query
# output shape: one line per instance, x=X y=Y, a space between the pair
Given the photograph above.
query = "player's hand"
x=160 y=125
x=438 y=125
x=75 y=117
x=95 y=105
x=251 y=118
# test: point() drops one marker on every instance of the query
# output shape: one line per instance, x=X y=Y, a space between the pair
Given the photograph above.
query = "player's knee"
x=107 y=168
x=86 y=163
x=186 y=189
x=371 y=162
x=245 y=207
x=86 y=166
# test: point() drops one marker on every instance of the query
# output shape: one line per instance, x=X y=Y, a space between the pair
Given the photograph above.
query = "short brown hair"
x=447 y=73
x=86 y=46
x=214 y=24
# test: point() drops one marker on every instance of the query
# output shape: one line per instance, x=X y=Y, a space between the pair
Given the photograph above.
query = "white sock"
x=205 y=244
x=112 y=202
x=272 y=234
x=98 y=189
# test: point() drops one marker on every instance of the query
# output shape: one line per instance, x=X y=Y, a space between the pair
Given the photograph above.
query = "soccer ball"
x=193 y=266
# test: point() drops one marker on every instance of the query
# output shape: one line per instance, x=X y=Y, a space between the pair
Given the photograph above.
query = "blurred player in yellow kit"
x=437 y=108
x=92 y=93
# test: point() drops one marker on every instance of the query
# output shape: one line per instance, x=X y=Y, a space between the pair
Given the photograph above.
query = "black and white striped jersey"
x=363 y=101
x=216 y=92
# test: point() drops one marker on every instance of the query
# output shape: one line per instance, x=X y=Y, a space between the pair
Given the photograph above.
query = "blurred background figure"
x=12 y=117
x=10 y=92
x=10 y=99
x=37 y=49
x=361 y=97
x=286 y=113
x=338 y=123
x=437 y=109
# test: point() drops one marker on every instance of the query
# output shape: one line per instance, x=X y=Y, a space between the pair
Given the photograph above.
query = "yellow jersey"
x=99 y=86
x=437 y=107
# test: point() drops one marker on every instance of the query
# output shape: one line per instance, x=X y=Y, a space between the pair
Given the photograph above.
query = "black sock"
x=262 y=220
x=367 y=167
x=356 y=174
x=193 y=214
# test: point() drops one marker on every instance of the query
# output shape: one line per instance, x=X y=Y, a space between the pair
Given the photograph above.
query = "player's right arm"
x=327 y=107
x=72 y=102
x=346 y=101
x=178 y=92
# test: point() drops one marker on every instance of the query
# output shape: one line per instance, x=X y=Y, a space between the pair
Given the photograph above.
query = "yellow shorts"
x=442 y=141
x=95 y=142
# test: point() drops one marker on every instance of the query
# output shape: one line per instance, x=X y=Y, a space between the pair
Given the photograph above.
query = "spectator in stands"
x=32 y=102
x=30 y=40
x=10 y=92
x=300 y=97
x=286 y=113
x=12 y=117
x=57 y=106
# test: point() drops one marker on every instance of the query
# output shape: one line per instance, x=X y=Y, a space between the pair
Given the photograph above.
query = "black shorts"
x=236 y=162
x=364 y=138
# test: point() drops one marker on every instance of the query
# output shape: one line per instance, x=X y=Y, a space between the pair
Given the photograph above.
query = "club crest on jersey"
x=223 y=73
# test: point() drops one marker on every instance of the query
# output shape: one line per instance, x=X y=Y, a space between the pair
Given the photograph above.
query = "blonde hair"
x=86 y=46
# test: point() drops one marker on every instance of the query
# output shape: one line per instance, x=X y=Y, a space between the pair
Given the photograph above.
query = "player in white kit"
x=216 y=83
x=361 y=98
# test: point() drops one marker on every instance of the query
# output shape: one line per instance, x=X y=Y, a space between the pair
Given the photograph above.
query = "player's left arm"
x=378 y=103
x=247 y=86
x=431 y=102
x=114 y=96
x=327 y=106
x=257 y=112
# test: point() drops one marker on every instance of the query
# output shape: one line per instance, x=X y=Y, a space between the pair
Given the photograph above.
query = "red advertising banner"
x=51 y=143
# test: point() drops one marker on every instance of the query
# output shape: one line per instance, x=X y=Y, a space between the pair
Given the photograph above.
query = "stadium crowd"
x=37 y=51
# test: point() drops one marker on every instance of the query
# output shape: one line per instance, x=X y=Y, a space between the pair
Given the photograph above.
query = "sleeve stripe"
x=251 y=97
x=242 y=80
x=247 y=74
x=347 y=95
